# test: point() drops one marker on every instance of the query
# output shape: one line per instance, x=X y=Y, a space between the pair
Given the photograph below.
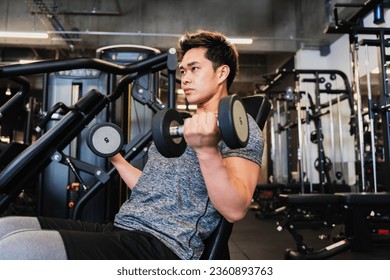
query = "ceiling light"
x=181 y=107
x=379 y=14
x=192 y=107
x=27 y=61
x=32 y=35
x=240 y=41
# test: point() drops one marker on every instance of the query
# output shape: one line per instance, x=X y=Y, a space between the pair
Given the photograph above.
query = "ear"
x=223 y=72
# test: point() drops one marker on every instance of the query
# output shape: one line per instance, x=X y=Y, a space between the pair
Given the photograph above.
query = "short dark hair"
x=218 y=50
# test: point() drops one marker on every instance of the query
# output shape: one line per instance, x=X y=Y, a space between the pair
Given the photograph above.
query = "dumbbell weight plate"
x=233 y=122
x=105 y=139
x=167 y=145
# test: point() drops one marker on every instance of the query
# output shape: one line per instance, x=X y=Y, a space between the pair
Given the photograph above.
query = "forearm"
x=230 y=183
x=128 y=173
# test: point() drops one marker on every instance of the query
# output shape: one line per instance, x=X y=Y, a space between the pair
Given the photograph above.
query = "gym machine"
x=279 y=89
x=49 y=146
x=14 y=109
x=354 y=27
x=367 y=221
x=59 y=183
x=313 y=113
x=361 y=218
x=280 y=174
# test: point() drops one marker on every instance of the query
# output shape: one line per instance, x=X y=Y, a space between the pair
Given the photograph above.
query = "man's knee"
x=13 y=223
x=32 y=244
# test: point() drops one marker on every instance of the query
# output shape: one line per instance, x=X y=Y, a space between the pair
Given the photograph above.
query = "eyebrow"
x=189 y=64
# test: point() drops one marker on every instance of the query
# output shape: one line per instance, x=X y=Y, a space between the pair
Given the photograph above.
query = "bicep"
x=244 y=170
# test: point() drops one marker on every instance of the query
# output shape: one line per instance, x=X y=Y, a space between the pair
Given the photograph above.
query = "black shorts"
x=91 y=241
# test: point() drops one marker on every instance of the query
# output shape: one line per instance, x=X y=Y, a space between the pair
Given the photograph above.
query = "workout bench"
x=364 y=218
x=367 y=219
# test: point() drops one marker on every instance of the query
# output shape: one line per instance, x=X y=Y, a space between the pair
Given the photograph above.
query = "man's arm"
x=230 y=182
x=128 y=173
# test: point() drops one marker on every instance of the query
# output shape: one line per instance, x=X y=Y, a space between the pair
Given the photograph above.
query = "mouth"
x=188 y=91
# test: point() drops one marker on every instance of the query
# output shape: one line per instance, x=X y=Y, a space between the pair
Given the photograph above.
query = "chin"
x=191 y=99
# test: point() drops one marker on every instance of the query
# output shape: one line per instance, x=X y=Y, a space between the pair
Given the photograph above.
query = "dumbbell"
x=168 y=127
x=105 y=139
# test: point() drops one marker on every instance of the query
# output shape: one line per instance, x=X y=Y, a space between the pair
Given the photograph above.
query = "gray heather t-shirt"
x=170 y=199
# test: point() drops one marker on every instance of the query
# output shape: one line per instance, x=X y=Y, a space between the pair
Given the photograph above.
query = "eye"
x=182 y=72
x=194 y=68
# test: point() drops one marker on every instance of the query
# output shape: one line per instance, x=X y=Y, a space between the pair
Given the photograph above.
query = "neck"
x=211 y=105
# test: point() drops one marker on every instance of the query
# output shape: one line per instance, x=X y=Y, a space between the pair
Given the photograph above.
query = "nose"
x=185 y=79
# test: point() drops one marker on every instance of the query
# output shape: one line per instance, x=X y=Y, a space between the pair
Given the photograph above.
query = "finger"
x=211 y=118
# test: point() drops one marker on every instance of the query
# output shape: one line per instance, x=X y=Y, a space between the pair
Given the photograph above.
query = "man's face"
x=198 y=78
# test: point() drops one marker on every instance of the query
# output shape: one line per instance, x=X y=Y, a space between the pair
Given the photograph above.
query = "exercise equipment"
x=11 y=113
x=332 y=138
x=309 y=175
x=282 y=157
x=64 y=88
x=366 y=219
x=105 y=139
x=340 y=173
x=363 y=217
x=315 y=111
x=167 y=127
x=48 y=147
x=315 y=211
x=371 y=117
x=358 y=222
x=300 y=136
x=60 y=92
x=354 y=27
x=355 y=69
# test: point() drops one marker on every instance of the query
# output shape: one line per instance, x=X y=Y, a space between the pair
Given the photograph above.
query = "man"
x=175 y=203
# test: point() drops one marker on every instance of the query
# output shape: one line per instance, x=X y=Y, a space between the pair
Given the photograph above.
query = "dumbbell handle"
x=176 y=131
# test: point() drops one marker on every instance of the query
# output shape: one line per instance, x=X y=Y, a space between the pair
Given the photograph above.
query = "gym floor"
x=258 y=239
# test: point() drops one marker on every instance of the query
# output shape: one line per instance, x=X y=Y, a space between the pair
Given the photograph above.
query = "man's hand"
x=201 y=131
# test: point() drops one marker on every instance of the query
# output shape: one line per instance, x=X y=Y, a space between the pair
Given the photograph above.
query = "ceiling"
x=77 y=28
